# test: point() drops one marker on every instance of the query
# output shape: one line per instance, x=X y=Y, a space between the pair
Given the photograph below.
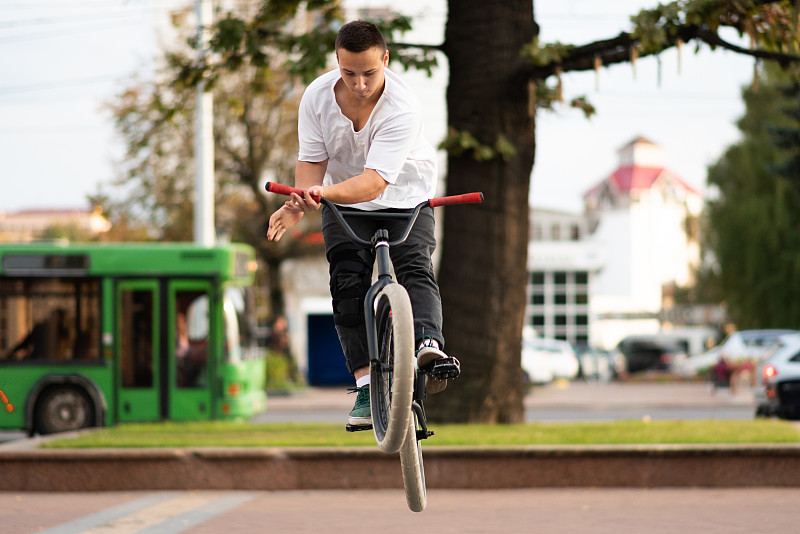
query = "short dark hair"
x=359 y=36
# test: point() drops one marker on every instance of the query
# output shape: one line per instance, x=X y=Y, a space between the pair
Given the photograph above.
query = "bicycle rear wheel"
x=392 y=376
x=413 y=469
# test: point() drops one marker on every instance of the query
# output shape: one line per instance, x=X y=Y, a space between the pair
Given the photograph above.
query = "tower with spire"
x=645 y=218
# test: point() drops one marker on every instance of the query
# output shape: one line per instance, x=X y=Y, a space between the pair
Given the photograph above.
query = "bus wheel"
x=62 y=409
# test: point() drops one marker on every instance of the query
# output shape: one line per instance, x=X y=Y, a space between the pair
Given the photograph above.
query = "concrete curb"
x=367 y=468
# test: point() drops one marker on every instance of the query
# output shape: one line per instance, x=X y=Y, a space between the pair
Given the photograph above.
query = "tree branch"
x=426 y=47
x=619 y=50
x=713 y=39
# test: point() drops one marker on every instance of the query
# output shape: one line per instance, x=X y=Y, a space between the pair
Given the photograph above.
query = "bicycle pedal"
x=445 y=368
x=423 y=434
x=357 y=428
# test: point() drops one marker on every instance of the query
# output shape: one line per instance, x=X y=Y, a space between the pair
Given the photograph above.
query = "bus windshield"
x=237 y=320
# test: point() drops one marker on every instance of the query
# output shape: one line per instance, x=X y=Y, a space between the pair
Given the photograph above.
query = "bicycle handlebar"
x=468 y=198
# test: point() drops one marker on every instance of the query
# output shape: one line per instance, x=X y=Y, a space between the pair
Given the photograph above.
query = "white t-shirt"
x=392 y=142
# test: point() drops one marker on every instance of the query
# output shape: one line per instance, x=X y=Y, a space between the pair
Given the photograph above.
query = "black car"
x=651 y=352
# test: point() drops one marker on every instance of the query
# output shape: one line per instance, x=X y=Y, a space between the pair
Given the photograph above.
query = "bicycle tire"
x=392 y=376
x=413 y=469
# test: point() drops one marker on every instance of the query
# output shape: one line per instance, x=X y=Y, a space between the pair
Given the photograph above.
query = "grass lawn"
x=233 y=434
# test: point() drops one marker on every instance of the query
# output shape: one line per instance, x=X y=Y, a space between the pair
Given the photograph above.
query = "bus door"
x=138 y=347
x=190 y=334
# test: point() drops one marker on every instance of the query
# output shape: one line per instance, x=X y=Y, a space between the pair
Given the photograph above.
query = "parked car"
x=779 y=393
x=737 y=347
x=535 y=364
x=616 y=362
x=545 y=360
x=652 y=352
x=599 y=364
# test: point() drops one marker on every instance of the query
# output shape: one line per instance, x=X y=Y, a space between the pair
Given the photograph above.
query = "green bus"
x=97 y=334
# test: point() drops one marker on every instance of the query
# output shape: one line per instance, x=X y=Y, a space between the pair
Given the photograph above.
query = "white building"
x=562 y=265
x=644 y=218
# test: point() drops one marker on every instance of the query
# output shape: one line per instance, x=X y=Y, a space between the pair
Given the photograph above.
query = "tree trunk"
x=483 y=271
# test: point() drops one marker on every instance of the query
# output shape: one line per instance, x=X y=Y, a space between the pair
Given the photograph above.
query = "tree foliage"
x=755 y=221
x=255 y=65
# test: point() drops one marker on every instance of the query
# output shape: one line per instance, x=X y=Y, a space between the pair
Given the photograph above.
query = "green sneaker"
x=360 y=415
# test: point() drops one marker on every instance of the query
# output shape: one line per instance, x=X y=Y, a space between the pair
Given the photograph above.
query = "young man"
x=362 y=147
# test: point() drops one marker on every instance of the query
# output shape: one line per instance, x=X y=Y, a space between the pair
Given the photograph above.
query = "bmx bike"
x=397 y=382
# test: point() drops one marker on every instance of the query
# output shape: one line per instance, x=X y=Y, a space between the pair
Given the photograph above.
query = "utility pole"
x=204 y=233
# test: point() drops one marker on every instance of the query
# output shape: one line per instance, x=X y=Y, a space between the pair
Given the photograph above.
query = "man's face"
x=362 y=72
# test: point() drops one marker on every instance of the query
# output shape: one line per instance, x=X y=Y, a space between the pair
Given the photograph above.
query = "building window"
x=559 y=304
x=555 y=232
x=537 y=232
x=575 y=232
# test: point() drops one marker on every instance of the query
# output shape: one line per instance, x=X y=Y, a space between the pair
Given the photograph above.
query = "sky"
x=62 y=61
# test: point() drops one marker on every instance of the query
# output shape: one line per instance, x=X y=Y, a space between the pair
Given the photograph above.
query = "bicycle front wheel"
x=413 y=469
x=392 y=376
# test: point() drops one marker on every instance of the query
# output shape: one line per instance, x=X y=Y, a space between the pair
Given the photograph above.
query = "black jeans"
x=412 y=265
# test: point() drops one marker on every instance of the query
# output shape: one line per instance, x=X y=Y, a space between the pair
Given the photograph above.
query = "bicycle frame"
x=381 y=245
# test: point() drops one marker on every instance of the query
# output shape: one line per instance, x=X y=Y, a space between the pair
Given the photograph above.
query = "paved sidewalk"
x=542 y=511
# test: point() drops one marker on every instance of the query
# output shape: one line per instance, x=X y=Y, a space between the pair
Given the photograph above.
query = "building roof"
x=634 y=177
x=638 y=177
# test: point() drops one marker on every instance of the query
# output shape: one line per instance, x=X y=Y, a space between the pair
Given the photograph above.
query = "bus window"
x=49 y=320
x=191 y=338
x=136 y=344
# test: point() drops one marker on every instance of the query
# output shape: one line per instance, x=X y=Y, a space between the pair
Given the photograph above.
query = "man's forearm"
x=309 y=173
x=362 y=188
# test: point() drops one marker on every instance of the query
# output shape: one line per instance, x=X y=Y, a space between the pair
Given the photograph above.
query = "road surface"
x=557 y=402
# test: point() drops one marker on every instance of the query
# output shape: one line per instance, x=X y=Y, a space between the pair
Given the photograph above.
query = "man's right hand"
x=282 y=220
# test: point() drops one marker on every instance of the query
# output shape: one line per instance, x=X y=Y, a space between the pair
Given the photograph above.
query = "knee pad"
x=351 y=276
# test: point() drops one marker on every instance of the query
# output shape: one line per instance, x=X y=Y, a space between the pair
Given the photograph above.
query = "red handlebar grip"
x=468 y=198
x=281 y=189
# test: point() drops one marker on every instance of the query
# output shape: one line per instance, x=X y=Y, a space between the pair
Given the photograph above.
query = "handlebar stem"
x=382 y=256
